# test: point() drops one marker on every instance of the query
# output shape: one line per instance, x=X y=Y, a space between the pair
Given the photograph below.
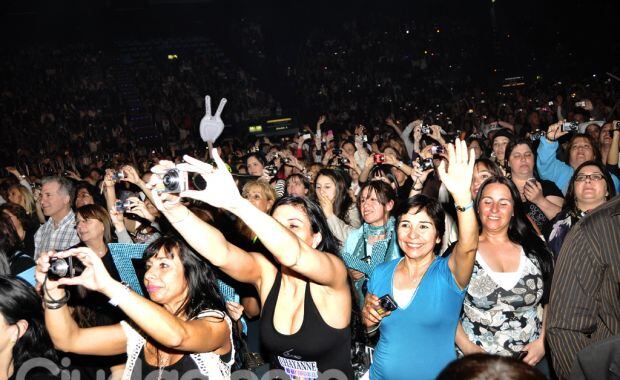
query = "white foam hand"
x=211 y=126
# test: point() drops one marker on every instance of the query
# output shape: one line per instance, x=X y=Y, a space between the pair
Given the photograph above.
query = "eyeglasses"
x=591 y=177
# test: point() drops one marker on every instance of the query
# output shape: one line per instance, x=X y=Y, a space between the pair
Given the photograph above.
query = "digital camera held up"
x=571 y=126
x=175 y=181
x=64 y=268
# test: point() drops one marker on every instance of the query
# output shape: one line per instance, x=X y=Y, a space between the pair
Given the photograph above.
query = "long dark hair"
x=318 y=223
x=520 y=231
x=570 y=203
x=19 y=301
x=342 y=200
x=19 y=212
x=330 y=244
x=203 y=292
x=202 y=289
x=9 y=239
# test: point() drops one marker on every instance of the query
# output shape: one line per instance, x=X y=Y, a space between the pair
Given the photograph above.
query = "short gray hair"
x=65 y=186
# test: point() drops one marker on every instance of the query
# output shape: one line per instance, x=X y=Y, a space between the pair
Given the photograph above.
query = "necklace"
x=162 y=365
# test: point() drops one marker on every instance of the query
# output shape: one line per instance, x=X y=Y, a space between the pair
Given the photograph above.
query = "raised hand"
x=554 y=131
x=457 y=178
x=211 y=126
x=221 y=190
x=131 y=175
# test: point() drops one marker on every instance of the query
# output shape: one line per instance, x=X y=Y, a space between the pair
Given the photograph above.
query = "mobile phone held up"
x=386 y=303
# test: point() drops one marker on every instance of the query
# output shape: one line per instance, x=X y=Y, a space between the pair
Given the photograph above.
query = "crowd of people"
x=411 y=246
x=407 y=227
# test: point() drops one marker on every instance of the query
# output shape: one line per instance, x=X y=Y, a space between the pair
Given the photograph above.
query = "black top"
x=315 y=347
x=96 y=309
x=35 y=374
x=535 y=213
x=20 y=262
x=182 y=367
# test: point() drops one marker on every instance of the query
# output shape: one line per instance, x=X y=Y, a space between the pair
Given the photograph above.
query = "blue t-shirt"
x=417 y=340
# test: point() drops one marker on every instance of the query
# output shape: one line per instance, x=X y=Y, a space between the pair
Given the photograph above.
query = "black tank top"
x=315 y=347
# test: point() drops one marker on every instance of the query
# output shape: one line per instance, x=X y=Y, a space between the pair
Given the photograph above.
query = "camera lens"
x=171 y=180
x=59 y=268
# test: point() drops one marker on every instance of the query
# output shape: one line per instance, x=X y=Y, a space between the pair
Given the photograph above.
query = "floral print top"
x=503 y=320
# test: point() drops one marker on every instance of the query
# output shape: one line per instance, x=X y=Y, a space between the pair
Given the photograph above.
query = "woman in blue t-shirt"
x=417 y=337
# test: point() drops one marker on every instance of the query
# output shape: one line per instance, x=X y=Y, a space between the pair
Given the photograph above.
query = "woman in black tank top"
x=306 y=300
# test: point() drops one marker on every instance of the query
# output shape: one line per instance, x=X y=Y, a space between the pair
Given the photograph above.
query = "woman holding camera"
x=542 y=199
x=182 y=327
x=424 y=291
x=581 y=148
x=306 y=299
x=23 y=336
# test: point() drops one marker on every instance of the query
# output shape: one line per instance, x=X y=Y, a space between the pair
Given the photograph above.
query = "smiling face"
x=327 y=186
x=521 y=161
x=373 y=211
x=296 y=220
x=165 y=279
x=496 y=207
x=590 y=187
x=417 y=235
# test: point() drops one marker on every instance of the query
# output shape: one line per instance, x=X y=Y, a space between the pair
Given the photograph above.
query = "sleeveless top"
x=311 y=351
x=209 y=364
x=503 y=314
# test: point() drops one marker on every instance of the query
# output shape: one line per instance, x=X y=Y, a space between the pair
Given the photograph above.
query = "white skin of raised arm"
x=289 y=250
x=457 y=180
x=201 y=335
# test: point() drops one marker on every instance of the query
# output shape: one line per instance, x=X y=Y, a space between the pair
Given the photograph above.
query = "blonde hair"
x=27 y=198
x=263 y=186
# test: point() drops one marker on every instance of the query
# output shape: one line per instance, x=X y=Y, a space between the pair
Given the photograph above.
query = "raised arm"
x=457 y=180
x=162 y=325
x=208 y=241
x=288 y=249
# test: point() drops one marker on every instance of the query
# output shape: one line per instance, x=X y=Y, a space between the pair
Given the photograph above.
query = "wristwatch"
x=464 y=208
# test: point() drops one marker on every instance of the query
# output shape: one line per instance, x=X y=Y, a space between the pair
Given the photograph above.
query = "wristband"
x=120 y=296
x=464 y=208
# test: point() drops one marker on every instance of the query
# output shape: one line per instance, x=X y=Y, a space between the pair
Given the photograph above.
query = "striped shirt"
x=49 y=238
x=585 y=296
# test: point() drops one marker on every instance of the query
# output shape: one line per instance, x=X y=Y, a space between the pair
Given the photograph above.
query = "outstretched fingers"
x=220 y=108
x=208 y=106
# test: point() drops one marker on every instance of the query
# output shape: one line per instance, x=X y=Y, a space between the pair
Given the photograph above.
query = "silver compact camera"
x=175 y=181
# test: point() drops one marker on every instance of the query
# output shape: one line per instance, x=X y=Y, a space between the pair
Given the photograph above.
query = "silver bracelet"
x=120 y=296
